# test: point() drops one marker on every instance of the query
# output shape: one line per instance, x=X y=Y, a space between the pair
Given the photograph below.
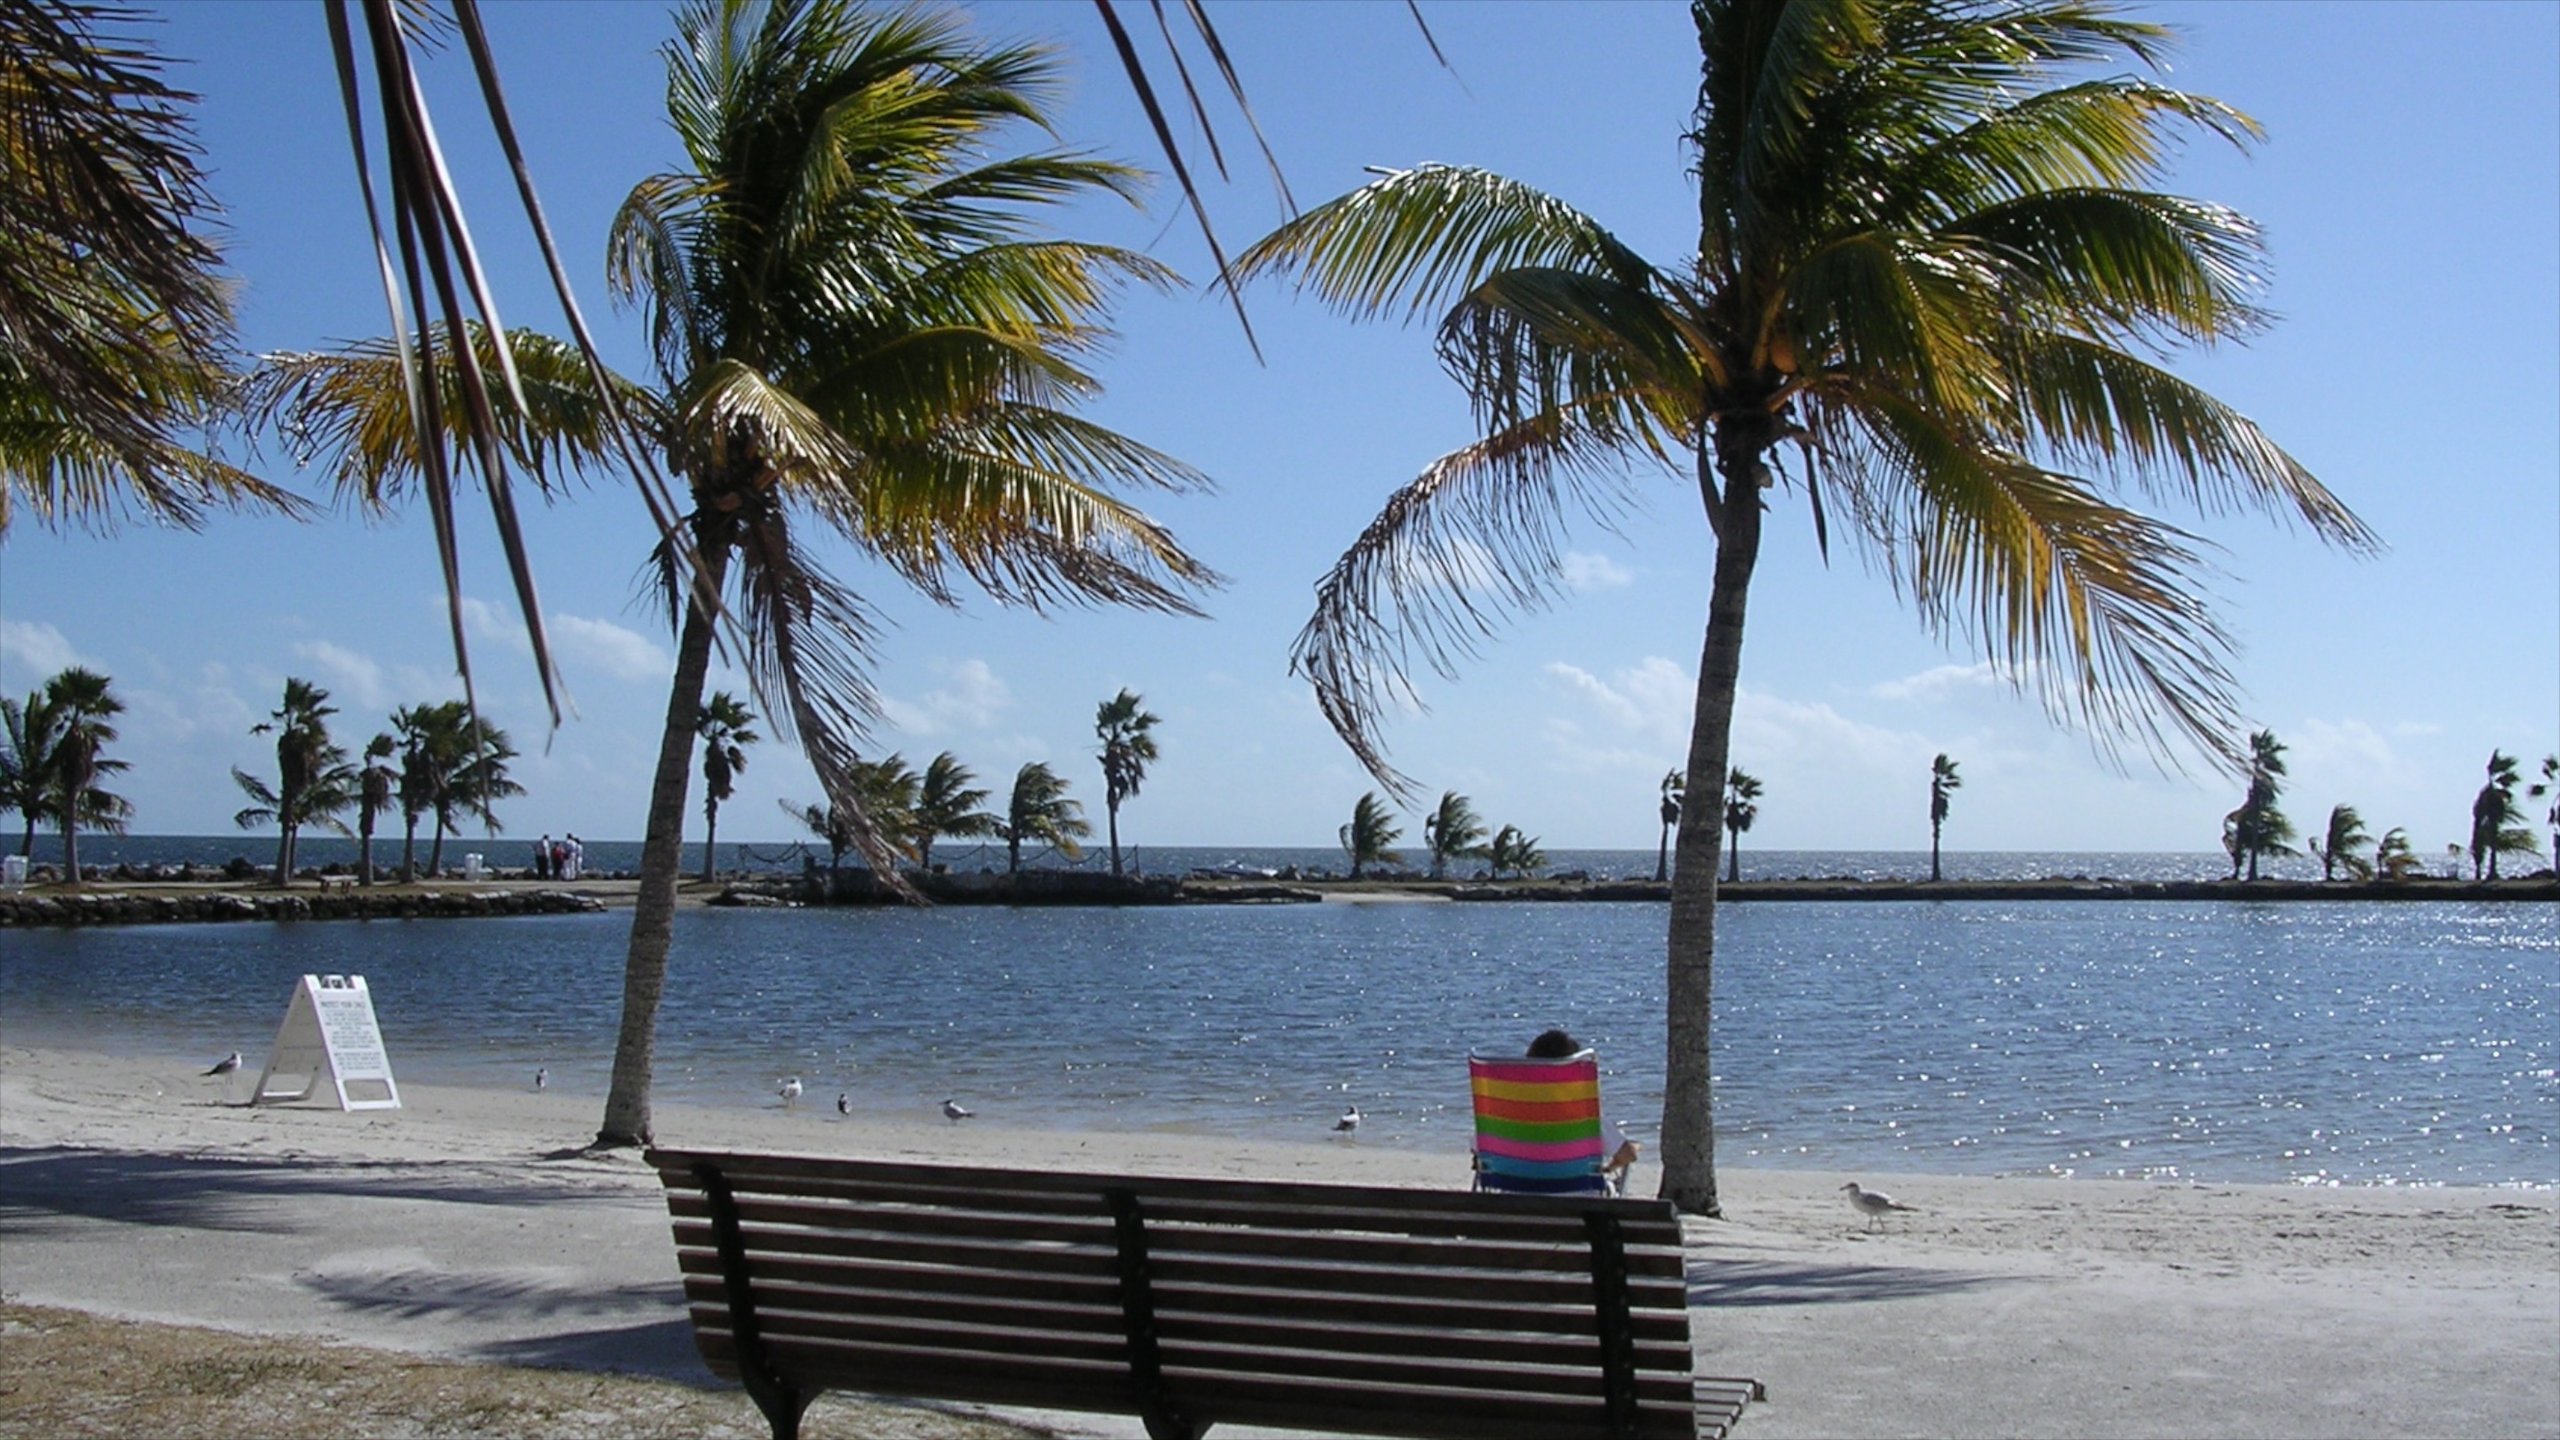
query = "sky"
x=2410 y=192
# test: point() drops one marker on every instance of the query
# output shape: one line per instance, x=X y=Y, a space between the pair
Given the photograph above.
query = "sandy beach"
x=465 y=1227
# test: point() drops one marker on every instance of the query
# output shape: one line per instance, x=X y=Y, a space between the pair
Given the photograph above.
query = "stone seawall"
x=164 y=907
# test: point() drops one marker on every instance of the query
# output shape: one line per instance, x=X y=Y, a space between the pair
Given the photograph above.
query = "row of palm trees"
x=1452 y=831
x=2259 y=828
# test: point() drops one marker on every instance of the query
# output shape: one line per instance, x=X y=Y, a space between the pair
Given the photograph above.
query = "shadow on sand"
x=41 y=1187
x=1801 y=1282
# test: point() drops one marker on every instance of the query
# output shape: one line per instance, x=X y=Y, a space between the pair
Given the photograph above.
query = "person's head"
x=1554 y=1045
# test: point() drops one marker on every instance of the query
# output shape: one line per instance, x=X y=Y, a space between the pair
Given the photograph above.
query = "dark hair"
x=1554 y=1045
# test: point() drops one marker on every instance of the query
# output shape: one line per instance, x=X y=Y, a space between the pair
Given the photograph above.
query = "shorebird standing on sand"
x=956 y=1112
x=1874 y=1204
x=1349 y=1122
x=542 y=1077
x=844 y=1102
x=790 y=1092
x=225 y=1065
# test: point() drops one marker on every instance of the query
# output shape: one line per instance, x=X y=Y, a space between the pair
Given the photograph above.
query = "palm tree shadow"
x=1794 y=1282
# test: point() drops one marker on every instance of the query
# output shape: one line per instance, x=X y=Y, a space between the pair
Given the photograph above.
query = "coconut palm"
x=470 y=778
x=1371 y=830
x=315 y=784
x=833 y=824
x=421 y=729
x=377 y=790
x=115 y=319
x=1943 y=782
x=1741 y=808
x=33 y=729
x=1675 y=790
x=1126 y=729
x=2258 y=828
x=2497 y=822
x=79 y=709
x=1516 y=852
x=882 y=793
x=2394 y=859
x=1927 y=269
x=1040 y=811
x=725 y=729
x=1454 y=831
x=855 y=330
x=2346 y=835
x=948 y=803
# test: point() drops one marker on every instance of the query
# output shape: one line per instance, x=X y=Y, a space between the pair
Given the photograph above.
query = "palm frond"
x=2138 y=263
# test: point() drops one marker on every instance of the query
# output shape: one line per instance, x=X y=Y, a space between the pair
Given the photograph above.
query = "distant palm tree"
x=948 y=803
x=2549 y=785
x=452 y=768
x=1454 y=831
x=33 y=729
x=1371 y=830
x=83 y=706
x=724 y=729
x=2345 y=837
x=2258 y=828
x=421 y=729
x=833 y=824
x=1741 y=808
x=1125 y=728
x=1515 y=852
x=884 y=793
x=378 y=790
x=314 y=781
x=2497 y=821
x=1943 y=782
x=1675 y=790
x=2393 y=859
x=1041 y=812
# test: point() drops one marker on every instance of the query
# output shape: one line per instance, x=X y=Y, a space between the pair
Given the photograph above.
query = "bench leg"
x=1161 y=1426
x=784 y=1410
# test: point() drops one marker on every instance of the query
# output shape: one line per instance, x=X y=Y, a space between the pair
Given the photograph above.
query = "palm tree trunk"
x=435 y=852
x=1662 y=859
x=284 y=854
x=1934 y=876
x=1733 y=859
x=71 y=840
x=364 y=851
x=1688 y=1119
x=408 y=849
x=653 y=915
x=1114 y=808
x=710 y=842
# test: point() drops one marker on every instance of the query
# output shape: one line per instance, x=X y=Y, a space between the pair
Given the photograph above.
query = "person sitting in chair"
x=1560 y=1045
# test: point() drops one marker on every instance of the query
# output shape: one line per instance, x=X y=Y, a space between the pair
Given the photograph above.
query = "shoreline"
x=468 y=1226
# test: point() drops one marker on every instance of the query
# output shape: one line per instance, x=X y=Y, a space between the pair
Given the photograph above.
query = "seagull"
x=1349 y=1122
x=225 y=1065
x=790 y=1092
x=956 y=1112
x=1874 y=1204
x=542 y=1078
x=844 y=1102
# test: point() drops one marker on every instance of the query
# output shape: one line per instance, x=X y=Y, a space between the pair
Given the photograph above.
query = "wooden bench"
x=1192 y=1302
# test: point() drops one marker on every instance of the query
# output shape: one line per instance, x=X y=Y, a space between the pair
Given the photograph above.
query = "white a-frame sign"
x=329 y=1036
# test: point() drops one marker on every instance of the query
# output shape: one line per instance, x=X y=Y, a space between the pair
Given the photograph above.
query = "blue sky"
x=2409 y=187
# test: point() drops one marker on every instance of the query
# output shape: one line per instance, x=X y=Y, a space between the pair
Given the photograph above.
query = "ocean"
x=2413 y=1043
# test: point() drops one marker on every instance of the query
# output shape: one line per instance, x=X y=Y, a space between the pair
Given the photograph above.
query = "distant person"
x=577 y=858
x=542 y=858
x=1560 y=1045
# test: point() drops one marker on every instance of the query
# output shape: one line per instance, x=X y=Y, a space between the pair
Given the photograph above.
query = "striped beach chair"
x=1538 y=1125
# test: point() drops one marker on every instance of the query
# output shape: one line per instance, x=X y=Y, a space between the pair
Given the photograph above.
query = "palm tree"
x=2393 y=857
x=723 y=727
x=1925 y=265
x=1675 y=790
x=1943 y=781
x=2345 y=837
x=116 y=315
x=833 y=824
x=1454 y=831
x=1124 y=726
x=469 y=779
x=314 y=781
x=79 y=708
x=2258 y=828
x=1741 y=808
x=1040 y=811
x=422 y=730
x=1371 y=830
x=883 y=796
x=34 y=729
x=855 y=330
x=1516 y=852
x=947 y=803
x=2549 y=785
x=2497 y=821
x=378 y=787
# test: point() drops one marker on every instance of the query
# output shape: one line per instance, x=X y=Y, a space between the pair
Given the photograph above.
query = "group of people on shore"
x=563 y=859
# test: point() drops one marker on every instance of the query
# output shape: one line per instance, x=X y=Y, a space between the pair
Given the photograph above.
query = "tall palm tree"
x=2258 y=828
x=378 y=788
x=2393 y=858
x=1371 y=830
x=467 y=777
x=33 y=729
x=2346 y=835
x=1943 y=782
x=83 y=706
x=948 y=802
x=882 y=796
x=314 y=781
x=725 y=728
x=115 y=318
x=1126 y=729
x=1454 y=831
x=1927 y=268
x=422 y=729
x=1515 y=851
x=2497 y=821
x=856 y=330
x=1675 y=790
x=1040 y=811
x=1741 y=809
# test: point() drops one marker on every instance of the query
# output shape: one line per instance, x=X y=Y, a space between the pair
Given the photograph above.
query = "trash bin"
x=13 y=872
x=471 y=868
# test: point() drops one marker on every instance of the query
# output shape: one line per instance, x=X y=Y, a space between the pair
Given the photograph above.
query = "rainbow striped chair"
x=1538 y=1125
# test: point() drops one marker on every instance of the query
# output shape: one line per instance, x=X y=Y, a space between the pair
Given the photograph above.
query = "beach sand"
x=466 y=1227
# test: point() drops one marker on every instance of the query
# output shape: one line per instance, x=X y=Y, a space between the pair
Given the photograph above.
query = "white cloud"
x=350 y=678
x=1652 y=700
x=1941 y=681
x=36 y=650
x=580 y=643
x=972 y=697
x=1585 y=572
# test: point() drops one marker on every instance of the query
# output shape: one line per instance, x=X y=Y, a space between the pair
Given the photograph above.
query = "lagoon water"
x=2312 y=1042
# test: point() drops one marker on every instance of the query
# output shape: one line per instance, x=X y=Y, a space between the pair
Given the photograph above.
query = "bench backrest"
x=1358 y=1308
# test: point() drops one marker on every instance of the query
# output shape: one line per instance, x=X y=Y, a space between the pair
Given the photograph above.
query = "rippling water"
x=2312 y=1042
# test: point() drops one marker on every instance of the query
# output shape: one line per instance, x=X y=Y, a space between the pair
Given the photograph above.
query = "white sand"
x=2006 y=1307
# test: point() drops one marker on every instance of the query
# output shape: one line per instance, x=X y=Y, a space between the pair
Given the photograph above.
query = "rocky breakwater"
x=165 y=906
